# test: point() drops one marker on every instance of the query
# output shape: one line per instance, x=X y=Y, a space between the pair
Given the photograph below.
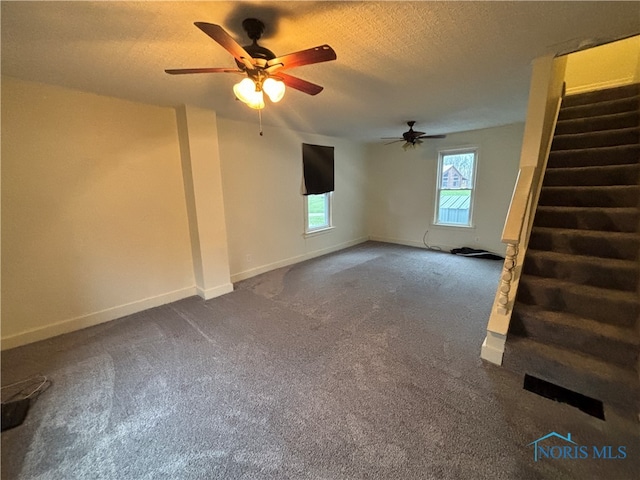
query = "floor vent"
x=560 y=394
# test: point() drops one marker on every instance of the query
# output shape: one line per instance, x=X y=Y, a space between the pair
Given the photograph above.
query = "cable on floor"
x=430 y=247
x=29 y=388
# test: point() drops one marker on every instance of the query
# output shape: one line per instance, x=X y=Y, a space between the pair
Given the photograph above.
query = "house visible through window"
x=318 y=212
x=456 y=178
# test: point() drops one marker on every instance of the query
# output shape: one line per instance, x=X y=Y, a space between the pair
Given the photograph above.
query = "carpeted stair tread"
x=623 y=245
x=600 y=272
x=603 y=95
x=576 y=316
x=583 y=157
x=598 y=123
x=603 y=138
x=593 y=175
x=604 y=381
x=605 y=305
x=607 y=107
x=614 y=219
x=590 y=195
x=620 y=345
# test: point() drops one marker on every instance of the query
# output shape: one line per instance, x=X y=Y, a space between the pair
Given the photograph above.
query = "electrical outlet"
x=477 y=239
x=248 y=257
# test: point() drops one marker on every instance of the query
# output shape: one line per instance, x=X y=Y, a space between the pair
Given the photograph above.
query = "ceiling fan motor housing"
x=411 y=136
x=255 y=28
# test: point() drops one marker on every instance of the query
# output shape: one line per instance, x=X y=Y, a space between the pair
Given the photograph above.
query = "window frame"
x=471 y=185
x=310 y=231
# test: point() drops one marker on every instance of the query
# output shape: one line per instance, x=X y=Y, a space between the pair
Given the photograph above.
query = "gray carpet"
x=363 y=364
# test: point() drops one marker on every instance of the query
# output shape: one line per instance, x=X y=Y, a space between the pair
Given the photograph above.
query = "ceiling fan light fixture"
x=258 y=63
x=274 y=89
x=246 y=92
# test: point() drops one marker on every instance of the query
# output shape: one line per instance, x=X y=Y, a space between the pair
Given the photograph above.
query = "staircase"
x=575 y=322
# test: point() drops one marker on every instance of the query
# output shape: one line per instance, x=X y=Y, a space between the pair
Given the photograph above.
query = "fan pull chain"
x=260 y=118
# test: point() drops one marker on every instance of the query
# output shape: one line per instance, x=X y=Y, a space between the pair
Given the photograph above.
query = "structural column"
x=198 y=134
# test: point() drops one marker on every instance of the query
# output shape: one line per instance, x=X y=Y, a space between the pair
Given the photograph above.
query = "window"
x=317 y=187
x=456 y=180
x=317 y=212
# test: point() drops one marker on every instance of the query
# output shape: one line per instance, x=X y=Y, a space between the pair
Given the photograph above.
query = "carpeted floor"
x=363 y=364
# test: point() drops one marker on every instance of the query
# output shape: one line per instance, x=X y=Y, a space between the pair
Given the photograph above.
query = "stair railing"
x=542 y=116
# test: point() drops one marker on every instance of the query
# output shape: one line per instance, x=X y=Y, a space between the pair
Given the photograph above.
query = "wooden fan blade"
x=323 y=53
x=299 y=84
x=395 y=141
x=391 y=138
x=432 y=136
x=217 y=33
x=180 y=71
x=417 y=134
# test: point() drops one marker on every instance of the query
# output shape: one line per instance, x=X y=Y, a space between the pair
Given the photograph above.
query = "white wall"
x=94 y=220
x=402 y=189
x=261 y=179
x=606 y=66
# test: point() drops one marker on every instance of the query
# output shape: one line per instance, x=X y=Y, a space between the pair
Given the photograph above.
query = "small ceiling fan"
x=411 y=137
x=263 y=70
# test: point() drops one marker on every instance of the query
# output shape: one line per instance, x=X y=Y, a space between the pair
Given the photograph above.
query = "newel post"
x=498 y=326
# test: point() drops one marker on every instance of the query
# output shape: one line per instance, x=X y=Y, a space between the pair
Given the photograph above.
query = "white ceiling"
x=452 y=66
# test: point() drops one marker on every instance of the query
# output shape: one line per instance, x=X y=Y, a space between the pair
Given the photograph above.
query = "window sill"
x=452 y=225
x=320 y=231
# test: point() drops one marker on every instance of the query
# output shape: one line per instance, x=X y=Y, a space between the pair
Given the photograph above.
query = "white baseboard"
x=409 y=243
x=618 y=82
x=210 y=293
x=439 y=247
x=237 y=277
x=95 y=318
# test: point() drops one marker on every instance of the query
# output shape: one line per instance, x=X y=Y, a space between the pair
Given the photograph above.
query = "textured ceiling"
x=452 y=66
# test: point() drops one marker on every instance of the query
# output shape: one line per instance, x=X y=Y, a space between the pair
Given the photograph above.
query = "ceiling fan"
x=263 y=70
x=411 y=137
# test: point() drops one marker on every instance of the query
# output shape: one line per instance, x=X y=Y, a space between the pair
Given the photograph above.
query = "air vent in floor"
x=560 y=394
